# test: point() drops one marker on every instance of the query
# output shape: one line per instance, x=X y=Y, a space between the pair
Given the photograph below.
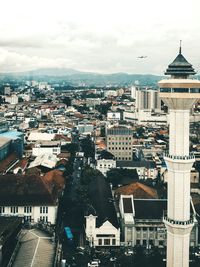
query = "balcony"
x=190 y=157
x=191 y=221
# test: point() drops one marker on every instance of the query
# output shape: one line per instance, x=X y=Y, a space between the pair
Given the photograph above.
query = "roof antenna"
x=180 y=47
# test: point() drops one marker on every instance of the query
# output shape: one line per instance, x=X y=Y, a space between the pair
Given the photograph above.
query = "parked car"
x=94 y=263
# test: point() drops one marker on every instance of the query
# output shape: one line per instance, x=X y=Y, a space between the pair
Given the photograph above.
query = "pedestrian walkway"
x=36 y=250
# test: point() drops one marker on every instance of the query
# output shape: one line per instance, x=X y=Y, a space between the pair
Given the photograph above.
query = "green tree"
x=115 y=176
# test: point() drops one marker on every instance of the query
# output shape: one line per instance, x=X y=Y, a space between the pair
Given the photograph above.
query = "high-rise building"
x=179 y=93
x=147 y=99
x=119 y=142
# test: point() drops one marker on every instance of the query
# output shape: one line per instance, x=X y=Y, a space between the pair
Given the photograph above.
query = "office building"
x=119 y=142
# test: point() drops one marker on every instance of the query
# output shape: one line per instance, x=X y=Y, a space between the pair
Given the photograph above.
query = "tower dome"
x=180 y=67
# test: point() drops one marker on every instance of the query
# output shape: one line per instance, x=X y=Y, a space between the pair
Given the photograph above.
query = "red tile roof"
x=7 y=162
x=138 y=190
x=31 y=189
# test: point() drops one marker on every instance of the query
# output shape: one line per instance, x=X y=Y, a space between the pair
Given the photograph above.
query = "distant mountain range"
x=75 y=77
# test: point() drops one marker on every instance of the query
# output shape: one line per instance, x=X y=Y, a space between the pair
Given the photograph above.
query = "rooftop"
x=180 y=67
x=31 y=189
x=12 y=134
x=138 y=190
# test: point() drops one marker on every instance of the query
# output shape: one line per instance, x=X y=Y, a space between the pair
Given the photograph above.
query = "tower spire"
x=180 y=48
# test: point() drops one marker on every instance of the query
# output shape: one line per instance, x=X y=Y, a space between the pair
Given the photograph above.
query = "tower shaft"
x=179 y=93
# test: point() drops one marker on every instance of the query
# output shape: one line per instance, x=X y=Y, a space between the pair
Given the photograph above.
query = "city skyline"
x=100 y=36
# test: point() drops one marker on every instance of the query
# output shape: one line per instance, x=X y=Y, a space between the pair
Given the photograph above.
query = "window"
x=100 y=242
x=43 y=209
x=137 y=242
x=107 y=242
x=113 y=242
x=44 y=218
x=27 y=218
x=2 y=209
x=27 y=209
x=14 y=209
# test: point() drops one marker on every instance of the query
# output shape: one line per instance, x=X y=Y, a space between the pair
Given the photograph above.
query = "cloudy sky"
x=103 y=36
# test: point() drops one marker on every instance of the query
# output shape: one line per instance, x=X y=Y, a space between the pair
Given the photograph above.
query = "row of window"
x=106 y=166
x=124 y=158
x=151 y=242
x=145 y=228
x=180 y=90
x=106 y=242
x=120 y=148
x=119 y=138
x=120 y=143
x=44 y=218
x=27 y=209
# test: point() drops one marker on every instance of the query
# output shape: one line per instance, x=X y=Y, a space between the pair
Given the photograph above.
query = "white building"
x=113 y=116
x=147 y=99
x=46 y=147
x=102 y=226
x=104 y=165
x=33 y=197
x=13 y=99
x=142 y=222
x=145 y=117
x=31 y=213
x=38 y=136
x=105 y=235
x=45 y=160
x=179 y=93
x=145 y=169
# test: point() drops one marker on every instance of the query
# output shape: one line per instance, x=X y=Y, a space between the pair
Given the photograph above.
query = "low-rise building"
x=46 y=147
x=105 y=162
x=142 y=222
x=102 y=227
x=32 y=197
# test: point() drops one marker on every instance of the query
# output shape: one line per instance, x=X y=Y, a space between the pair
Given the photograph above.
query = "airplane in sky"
x=142 y=56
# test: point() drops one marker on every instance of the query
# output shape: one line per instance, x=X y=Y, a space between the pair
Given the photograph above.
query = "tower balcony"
x=179 y=163
x=177 y=223
x=179 y=93
x=175 y=157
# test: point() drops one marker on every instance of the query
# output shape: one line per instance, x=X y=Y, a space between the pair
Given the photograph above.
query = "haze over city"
x=98 y=36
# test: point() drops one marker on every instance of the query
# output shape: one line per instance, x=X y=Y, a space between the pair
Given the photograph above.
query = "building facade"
x=119 y=142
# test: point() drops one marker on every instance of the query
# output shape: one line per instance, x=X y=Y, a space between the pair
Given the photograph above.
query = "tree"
x=103 y=109
x=88 y=147
x=67 y=101
x=72 y=148
x=116 y=176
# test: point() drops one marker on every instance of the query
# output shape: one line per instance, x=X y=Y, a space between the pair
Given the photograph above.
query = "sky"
x=104 y=36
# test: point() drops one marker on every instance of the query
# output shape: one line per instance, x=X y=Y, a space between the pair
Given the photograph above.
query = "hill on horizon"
x=76 y=77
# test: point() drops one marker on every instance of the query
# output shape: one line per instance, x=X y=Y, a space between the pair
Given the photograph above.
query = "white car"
x=197 y=254
x=94 y=263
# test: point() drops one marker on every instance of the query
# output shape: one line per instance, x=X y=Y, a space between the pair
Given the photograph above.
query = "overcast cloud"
x=103 y=36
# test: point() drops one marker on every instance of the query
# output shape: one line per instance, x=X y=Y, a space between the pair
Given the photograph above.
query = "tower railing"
x=178 y=222
x=176 y=157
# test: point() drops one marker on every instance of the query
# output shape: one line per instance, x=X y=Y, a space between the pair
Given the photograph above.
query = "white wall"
x=38 y=151
x=35 y=213
x=104 y=165
x=105 y=229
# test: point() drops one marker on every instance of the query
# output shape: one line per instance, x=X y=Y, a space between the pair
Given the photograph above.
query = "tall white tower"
x=179 y=93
